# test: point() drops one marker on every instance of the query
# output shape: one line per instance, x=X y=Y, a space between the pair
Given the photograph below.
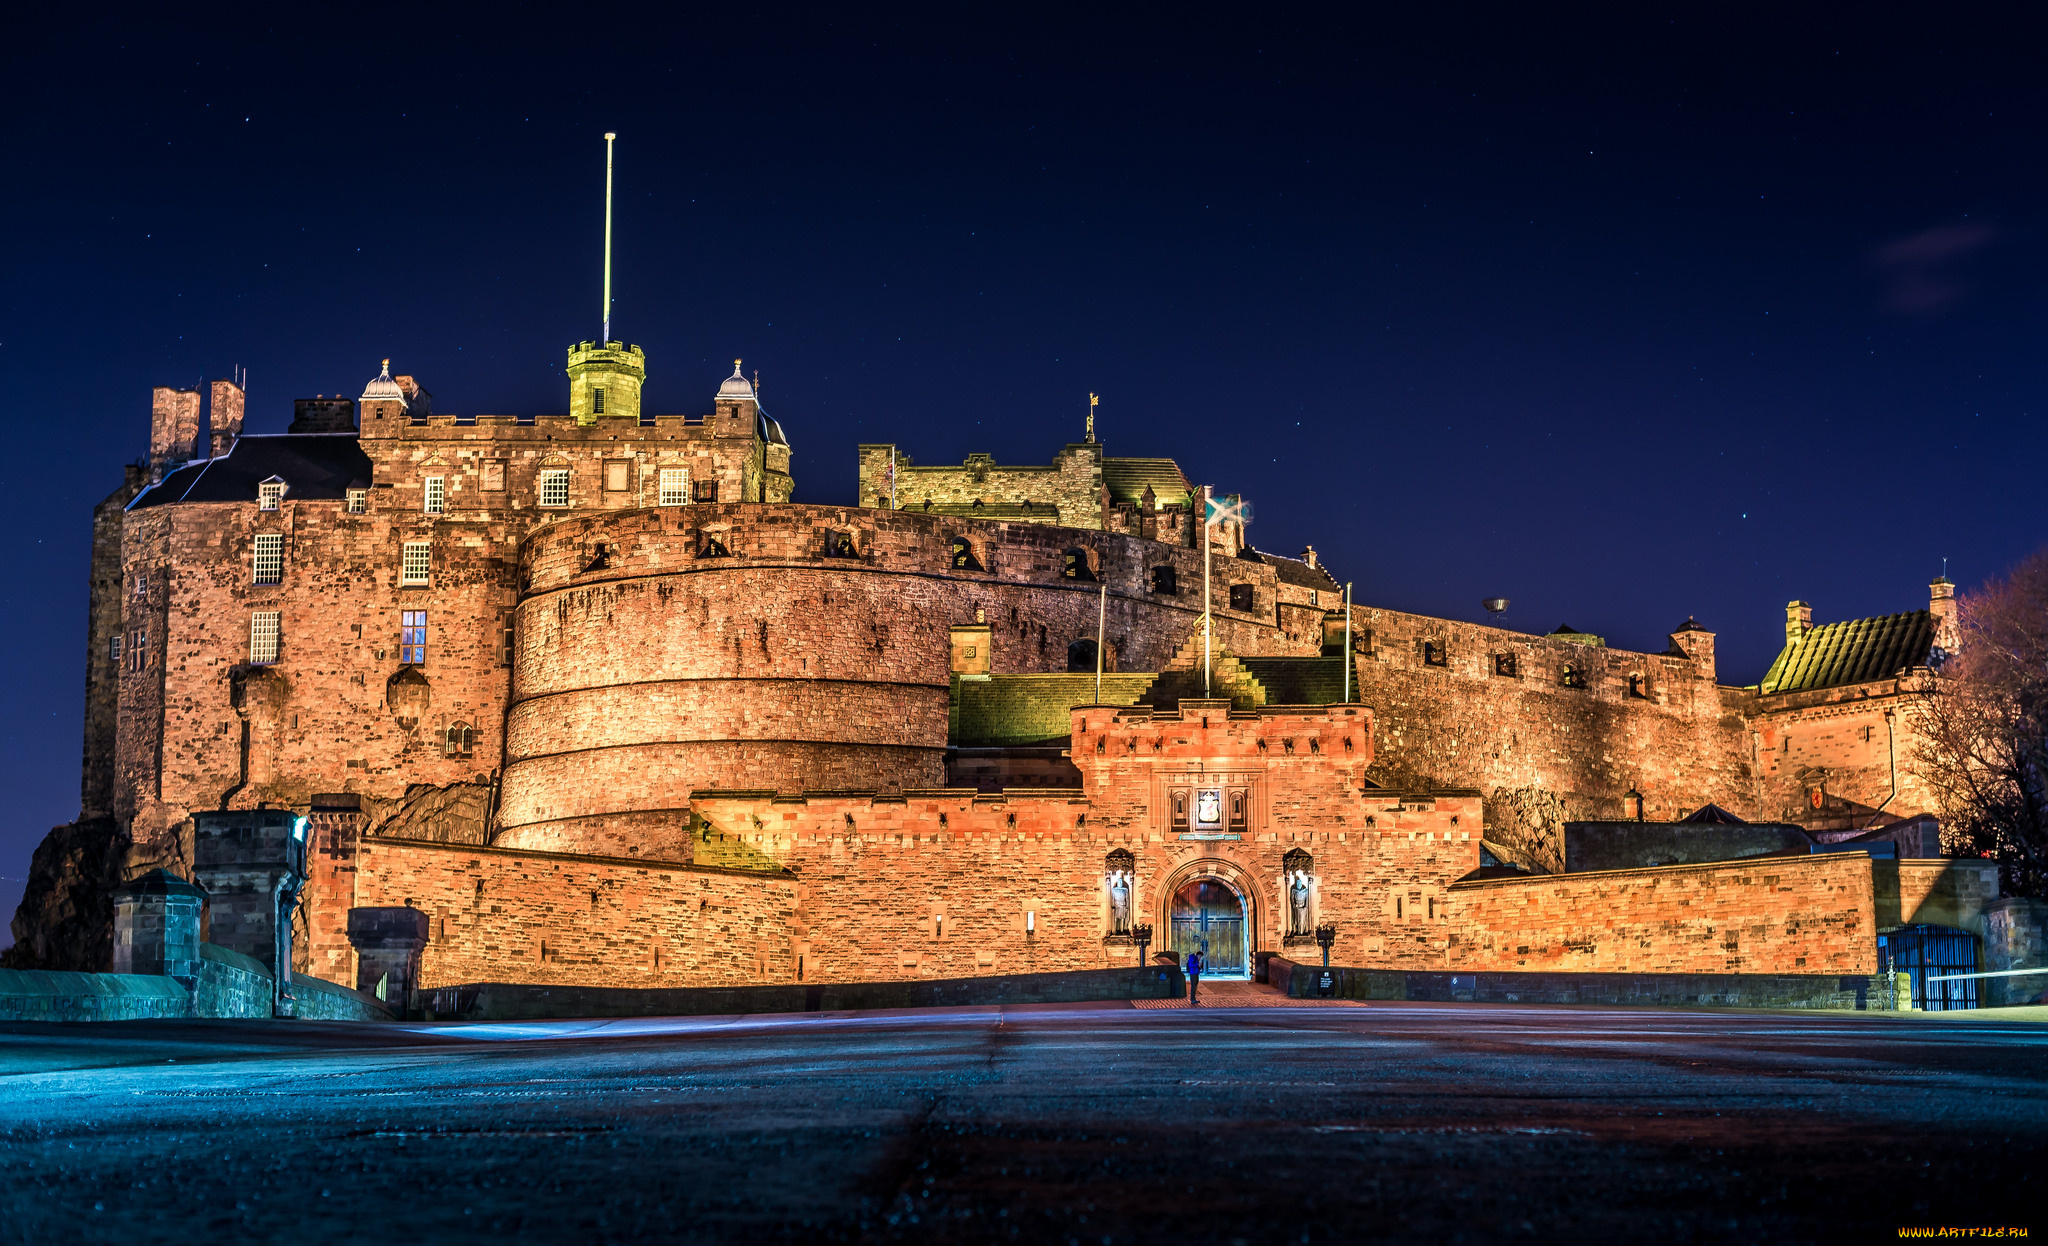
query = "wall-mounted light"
x=938 y=925
x=1030 y=922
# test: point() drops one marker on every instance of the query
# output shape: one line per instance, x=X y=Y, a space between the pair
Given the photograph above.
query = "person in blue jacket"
x=1194 y=978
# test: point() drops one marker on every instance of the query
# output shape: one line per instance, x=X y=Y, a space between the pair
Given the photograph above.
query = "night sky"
x=1628 y=317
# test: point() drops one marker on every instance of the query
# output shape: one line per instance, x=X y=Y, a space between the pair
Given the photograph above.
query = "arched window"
x=1078 y=563
x=963 y=555
x=461 y=740
x=1081 y=657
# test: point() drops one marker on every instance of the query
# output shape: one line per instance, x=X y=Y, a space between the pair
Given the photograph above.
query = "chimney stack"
x=1309 y=556
x=173 y=428
x=227 y=416
x=1941 y=603
x=1798 y=621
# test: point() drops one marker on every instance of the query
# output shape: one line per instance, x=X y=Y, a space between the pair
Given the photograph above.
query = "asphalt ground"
x=1052 y=1123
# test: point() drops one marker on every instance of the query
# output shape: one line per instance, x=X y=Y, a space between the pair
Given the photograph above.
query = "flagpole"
x=1205 y=591
x=892 y=477
x=1101 y=613
x=1347 y=642
x=607 y=334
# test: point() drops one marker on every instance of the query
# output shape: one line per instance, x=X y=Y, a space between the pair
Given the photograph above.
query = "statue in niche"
x=1120 y=903
x=1297 y=905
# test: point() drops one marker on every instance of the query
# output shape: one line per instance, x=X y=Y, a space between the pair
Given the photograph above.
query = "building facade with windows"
x=599 y=696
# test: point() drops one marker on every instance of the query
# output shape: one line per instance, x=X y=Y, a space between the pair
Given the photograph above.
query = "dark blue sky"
x=1626 y=316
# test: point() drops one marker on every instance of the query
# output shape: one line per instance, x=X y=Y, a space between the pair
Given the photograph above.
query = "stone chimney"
x=1798 y=621
x=173 y=427
x=227 y=416
x=1941 y=603
x=1308 y=556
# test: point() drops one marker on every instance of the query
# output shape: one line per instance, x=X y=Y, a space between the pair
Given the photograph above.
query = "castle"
x=595 y=696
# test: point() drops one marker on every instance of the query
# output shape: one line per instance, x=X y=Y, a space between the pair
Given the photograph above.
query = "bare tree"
x=1983 y=729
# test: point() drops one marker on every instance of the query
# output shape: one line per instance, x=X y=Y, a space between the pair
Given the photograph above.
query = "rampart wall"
x=499 y=915
x=1542 y=749
x=1773 y=915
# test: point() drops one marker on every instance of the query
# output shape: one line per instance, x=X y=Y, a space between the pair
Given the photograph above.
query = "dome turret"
x=736 y=386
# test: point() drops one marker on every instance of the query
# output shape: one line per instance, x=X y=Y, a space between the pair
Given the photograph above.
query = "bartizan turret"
x=605 y=380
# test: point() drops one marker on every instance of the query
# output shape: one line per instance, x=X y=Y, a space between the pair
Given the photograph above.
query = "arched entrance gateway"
x=1208 y=915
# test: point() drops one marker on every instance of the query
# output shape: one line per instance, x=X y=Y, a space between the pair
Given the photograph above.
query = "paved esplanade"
x=1047 y=1124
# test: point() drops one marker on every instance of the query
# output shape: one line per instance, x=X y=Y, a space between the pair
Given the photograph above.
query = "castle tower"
x=382 y=398
x=605 y=380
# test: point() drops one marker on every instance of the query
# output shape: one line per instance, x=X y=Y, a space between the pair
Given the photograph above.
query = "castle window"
x=269 y=494
x=597 y=401
x=417 y=564
x=1504 y=665
x=437 y=495
x=114 y=649
x=263 y=630
x=1315 y=599
x=461 y=740
x=358 y=501
x=675 y=486
x=1637 y=689
x=711 y=547
x=268 y=564
x=839 y=545
x=1165 y=582
x=617 y=474
x=963 y=555
x=412 y=637
x=1571 y=676
x=141 y=586
x=554 y=486
x=1434 y=653
x=505 y=650
x=1242 y=597
x=1078 y=564
x=138 y=649
x=705 y=491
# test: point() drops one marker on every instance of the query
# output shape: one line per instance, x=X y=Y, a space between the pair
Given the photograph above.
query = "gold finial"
x=1092 y=400
x=735 y=367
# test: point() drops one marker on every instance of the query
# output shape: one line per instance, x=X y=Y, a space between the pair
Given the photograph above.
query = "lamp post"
x=1143 y=934
x=1325 y=936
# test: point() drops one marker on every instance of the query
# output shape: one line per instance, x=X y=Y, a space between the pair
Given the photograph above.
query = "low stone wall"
x=59 y=995
x=1854 y=991
x=504 y=1001
x=230 y=985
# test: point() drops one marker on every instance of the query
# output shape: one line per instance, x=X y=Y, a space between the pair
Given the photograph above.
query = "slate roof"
x=1852 y=652
x=1126 y=480
x=1294 y=571
x=312 y=465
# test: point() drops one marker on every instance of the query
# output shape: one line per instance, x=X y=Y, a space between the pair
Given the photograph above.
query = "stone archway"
x=1211 y=904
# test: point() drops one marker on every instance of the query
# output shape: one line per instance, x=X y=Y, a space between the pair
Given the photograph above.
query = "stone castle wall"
x=498 y=915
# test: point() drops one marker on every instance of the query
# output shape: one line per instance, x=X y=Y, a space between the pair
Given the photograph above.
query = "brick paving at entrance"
x=1239 y=994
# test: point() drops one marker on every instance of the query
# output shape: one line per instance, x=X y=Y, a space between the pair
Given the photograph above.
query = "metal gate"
x=1931 y=951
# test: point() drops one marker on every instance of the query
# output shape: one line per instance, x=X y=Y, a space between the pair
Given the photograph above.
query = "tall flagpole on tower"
x=607 y=238
x=1205 y=591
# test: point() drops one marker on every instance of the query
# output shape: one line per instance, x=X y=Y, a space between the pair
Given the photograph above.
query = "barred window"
x=675 y=486
x=418 y=564
x=412 y=637
x=358 y=501
x=138 y=649
x=554 y=486
x=263 y=629
x=705 y=491
x=114 y=648
x=269 y=494
x=269 y=560
x=437 y=495
x=597 y=401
